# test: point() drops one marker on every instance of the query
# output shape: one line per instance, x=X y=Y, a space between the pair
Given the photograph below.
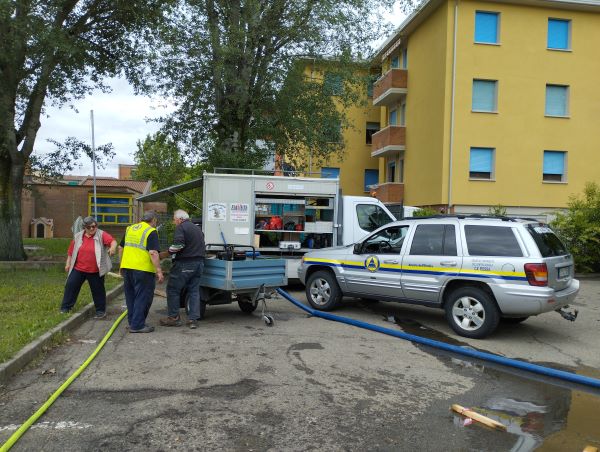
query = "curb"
x=587 y=275
x=35 y=348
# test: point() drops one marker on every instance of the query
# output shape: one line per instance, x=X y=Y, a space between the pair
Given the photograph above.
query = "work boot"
x=170 y=321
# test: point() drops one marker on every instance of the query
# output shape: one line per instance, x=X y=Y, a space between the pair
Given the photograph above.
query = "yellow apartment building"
x=490 y=102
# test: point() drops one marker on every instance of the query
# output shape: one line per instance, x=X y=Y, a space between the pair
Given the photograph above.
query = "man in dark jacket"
x=188 y=261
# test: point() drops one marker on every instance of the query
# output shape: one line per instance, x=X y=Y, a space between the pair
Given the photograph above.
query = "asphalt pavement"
x=310 y=384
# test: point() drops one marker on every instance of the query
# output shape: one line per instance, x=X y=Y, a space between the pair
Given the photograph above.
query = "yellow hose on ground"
x=23 y=428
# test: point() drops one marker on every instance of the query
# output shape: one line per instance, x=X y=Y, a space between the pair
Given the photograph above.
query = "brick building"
x=65 y=200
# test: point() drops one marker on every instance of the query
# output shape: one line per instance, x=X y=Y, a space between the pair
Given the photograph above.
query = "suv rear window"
x=492 y=241
x=434 y=240
x=546 y=240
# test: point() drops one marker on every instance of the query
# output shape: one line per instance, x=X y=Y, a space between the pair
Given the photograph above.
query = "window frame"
x=393 y=111
x=101 y=215
x=567 y=113
x=495 y=99
x=390 y=167
x=563 y=176
x=492 y=171
x=370 y=127
x=497 y=40
x=569 y=22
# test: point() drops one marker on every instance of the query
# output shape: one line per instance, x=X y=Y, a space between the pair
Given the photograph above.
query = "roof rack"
x=473 y=216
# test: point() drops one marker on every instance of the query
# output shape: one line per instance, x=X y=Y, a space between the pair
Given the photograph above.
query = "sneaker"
x=170 y=321
x=64 y=311
x=100 y=315
x=146 y=329
x=193 y=324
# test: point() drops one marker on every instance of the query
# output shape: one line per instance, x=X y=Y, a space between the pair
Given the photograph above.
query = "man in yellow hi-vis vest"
x=140 y=265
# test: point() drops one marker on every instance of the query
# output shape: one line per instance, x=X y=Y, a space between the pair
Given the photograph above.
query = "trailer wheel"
x=246 y=305
x=322 y=291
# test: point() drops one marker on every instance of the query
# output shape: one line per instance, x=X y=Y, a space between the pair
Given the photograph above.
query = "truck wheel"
x=322 y=291
x=471 y=312
x=246 y=305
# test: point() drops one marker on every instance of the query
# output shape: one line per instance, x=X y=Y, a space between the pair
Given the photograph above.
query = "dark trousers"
x=139 y=293
x=73 y=286
x=185 y=275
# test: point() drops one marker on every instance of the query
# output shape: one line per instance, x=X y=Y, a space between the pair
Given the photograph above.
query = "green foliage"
x=48 y=247
x=29 y=305
x=579 y=228
x=425 y=212
x=229 y=63
x=498 y=210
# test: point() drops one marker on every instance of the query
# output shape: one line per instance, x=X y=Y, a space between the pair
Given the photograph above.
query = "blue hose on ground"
x=547 y=371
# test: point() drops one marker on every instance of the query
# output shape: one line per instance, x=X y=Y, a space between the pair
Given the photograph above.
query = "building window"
x=372 y=127
x=330 y=173
x=391 y=171
x=395 y=62
x=485 y=96
x=486 y=27
x=401 y=170
x=333 y=84
x=559 y=34
x=393 y=117
x=371 y=178
x=557 y=100
x=403 y=114
x=481 y=165
x=554 y=166
x=112 y=208
x=404 y=58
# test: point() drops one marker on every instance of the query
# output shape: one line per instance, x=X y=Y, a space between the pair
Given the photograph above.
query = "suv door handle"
x=448 y=264
x=390 y=262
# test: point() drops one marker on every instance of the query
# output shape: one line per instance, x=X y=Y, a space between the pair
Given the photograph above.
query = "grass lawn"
x=29 y=305
x=48 y=247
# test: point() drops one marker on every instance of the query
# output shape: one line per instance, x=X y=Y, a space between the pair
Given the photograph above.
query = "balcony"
x=390 y=87
x=389 y=192
x=388 y=140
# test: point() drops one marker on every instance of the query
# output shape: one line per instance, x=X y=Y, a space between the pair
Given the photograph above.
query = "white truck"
x=281 y=215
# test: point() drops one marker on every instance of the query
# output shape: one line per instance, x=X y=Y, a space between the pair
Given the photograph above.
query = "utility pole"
x=94 y=165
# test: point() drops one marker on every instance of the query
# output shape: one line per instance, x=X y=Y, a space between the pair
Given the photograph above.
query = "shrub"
x=579 y=228
x=498 y=210
x=425 y=212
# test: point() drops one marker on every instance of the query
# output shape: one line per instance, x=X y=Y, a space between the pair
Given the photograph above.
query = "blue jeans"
x=73 y=286
x=139 y=293
x=185 y=275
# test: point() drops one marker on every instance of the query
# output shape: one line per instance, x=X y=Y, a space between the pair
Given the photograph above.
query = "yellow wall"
x=519 y=131
x=426 y=111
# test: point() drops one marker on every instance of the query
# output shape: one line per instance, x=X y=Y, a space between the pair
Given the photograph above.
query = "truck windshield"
x=371 y=216
x=546 y=240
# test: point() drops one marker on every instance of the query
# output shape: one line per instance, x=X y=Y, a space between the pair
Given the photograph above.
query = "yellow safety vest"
x=135 y=254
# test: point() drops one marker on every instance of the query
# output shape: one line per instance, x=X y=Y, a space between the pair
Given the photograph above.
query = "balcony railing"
x=390 y=87
x=388 y=140
x=389 y=192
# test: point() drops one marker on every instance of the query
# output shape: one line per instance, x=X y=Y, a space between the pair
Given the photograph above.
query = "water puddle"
x=543 y=414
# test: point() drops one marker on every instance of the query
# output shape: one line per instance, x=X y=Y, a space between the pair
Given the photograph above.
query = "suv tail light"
x=537 y=274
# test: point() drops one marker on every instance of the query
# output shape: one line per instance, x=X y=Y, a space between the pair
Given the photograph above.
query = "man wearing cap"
x=140 y=267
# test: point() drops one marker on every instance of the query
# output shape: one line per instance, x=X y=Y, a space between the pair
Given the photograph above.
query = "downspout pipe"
x=490 y=357
x=452 y=106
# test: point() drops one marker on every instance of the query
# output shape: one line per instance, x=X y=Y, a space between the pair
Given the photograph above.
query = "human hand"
x=111 y=252
x=67 y=267
x=160 y=276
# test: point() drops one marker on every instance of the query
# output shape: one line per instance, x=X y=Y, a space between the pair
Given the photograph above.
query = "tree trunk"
x=11 y=189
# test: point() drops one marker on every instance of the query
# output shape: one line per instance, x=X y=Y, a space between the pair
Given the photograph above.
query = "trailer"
x=280 y=216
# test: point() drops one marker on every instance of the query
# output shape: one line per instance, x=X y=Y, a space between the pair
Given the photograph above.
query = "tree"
x=56 y=51
x=159 y=159
x=230 y=63
x=579 y=228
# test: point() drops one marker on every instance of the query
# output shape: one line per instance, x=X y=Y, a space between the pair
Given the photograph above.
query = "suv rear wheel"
x=471 y=312
x=322 y=291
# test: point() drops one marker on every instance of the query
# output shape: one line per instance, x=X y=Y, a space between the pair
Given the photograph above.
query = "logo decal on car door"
x=372 y=263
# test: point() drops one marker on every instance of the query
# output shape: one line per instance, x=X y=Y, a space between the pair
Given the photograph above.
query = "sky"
x=120 y=118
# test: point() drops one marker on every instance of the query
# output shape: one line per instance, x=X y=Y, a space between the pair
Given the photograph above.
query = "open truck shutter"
x=162 y=194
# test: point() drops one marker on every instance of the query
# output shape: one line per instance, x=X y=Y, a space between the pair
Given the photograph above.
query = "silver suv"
x=478 y=269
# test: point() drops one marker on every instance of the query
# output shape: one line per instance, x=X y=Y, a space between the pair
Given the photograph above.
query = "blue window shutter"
x=554 y=162
x=484 y=95
x=486 y=27
x=556 y=100
x=330 y=173
x=393 y=117
x=481 y=160
x=558 y=33
x=371 y=178
x=395 y=62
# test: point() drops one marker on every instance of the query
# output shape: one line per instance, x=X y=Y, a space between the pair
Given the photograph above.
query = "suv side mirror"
x=357 y=248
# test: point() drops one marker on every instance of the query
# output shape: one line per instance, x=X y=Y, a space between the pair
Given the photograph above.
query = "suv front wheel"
x=322 y=291
x=471 y=312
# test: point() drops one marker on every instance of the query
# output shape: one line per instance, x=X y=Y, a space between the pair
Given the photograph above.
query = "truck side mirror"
x=357 y=248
